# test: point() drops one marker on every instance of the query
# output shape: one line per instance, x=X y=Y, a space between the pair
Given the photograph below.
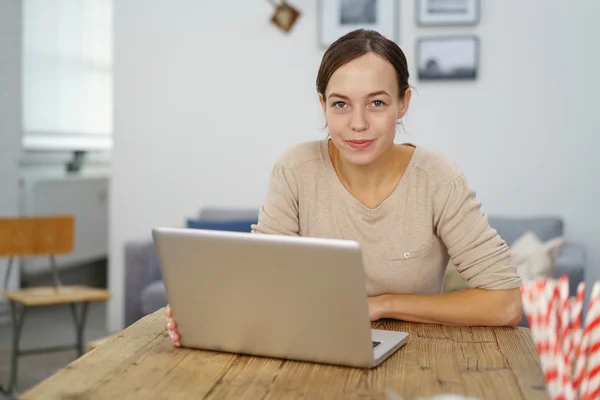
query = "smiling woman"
x=410 y=208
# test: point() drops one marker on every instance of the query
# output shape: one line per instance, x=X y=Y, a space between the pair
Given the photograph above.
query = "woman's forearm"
x=467 y=307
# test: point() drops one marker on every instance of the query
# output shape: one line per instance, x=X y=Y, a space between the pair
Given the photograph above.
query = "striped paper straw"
x=591 y=381
x=569 y=351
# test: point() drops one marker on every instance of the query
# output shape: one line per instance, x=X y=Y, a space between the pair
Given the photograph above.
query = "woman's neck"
x=369 y=177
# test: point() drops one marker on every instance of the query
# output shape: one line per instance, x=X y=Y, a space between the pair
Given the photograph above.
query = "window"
x=67 y=74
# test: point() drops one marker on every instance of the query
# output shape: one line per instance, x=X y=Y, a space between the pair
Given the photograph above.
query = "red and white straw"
x=569 y=351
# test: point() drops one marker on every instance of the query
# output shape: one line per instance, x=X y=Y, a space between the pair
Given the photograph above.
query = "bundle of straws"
x=569 y=351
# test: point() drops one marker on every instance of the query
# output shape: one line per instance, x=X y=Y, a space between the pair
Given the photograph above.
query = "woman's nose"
x=359 y=121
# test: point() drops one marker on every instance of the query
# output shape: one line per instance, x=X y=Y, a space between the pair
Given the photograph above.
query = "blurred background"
x=133 y=114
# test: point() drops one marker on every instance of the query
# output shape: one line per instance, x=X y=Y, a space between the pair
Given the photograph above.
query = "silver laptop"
x=278 y=296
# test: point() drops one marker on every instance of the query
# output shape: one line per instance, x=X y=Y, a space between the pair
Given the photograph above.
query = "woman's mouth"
x=359 y=144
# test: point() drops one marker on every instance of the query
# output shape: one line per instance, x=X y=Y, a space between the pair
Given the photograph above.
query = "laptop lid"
x=268 y=295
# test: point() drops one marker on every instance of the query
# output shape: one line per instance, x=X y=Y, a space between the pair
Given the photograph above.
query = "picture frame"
x=285 y=16
x=338 y=17
x=447 y=12
x=448 y=58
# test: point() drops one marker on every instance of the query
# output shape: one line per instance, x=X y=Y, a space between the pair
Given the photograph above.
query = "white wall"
x=10 y=118
x=208 y=95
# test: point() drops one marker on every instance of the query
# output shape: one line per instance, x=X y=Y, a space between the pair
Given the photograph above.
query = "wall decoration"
x=448 y=58
x=285 y=16
x=447 y=12
x=338 y=17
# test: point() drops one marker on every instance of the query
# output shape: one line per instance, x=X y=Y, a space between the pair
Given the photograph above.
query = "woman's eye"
x=378 y=103
x=339 y=104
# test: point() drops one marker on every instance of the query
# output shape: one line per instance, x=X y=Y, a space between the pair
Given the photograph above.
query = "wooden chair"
x=35 y=237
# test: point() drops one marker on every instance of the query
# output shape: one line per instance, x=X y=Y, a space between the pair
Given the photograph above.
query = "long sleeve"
x=279 y=212
x=481 y=256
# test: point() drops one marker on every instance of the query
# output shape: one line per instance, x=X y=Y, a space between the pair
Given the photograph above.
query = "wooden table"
x=140 y=362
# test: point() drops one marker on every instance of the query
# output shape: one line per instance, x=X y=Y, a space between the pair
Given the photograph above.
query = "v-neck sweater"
x=431 y=216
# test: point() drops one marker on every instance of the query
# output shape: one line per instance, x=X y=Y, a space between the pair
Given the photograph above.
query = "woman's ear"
x=404 y=103
x=323 y=103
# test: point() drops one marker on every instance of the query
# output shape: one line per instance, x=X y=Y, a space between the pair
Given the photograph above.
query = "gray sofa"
x=145 y=291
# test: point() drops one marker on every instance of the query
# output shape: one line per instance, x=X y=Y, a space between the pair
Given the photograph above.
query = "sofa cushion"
x=571 y=263
x=153 y=297
x=512 y=228
x=142 y=268
x=229 y=225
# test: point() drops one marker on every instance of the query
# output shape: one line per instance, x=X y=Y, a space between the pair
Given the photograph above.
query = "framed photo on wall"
x=338 y=17
x=447 y=12
x=448 y=58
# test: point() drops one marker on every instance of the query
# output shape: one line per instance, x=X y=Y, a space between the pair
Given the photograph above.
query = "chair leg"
x=17 y=323
x=55 y=277
x=8 y=271
x=79 y=321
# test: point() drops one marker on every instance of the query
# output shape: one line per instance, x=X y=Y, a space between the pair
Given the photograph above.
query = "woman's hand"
x=171 y=326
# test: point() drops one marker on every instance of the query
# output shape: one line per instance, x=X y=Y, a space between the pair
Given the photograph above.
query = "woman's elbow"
x=504 y=307
x=511 y=311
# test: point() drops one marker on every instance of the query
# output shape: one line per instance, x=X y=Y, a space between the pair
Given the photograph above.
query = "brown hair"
x=355 y=44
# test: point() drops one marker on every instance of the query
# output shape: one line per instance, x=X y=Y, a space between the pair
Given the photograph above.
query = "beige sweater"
x=406 y=241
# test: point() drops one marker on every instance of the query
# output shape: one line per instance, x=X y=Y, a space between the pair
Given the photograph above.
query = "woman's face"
x=362 y=106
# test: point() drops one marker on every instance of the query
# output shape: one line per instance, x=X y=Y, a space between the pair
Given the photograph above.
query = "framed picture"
x=285 y=16
x=448 y=58
x=447 y=12
x=338 y=17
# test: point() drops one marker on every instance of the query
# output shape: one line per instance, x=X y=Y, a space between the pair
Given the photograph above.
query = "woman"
x=410 y=208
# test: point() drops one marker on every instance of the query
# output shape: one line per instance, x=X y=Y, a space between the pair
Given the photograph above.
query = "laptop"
x=286 y=297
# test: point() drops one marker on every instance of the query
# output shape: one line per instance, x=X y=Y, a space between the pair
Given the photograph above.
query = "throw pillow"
x=533 y=258
x=230 y=225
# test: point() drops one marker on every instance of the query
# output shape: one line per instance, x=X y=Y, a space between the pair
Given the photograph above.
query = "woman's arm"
x=473 y=307
x=279 y=212
x=481 y=257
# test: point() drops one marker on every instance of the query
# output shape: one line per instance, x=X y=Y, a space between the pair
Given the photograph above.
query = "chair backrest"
x=36 y=236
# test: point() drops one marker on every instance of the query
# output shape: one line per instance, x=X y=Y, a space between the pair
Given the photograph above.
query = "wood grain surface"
x=141 y=363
